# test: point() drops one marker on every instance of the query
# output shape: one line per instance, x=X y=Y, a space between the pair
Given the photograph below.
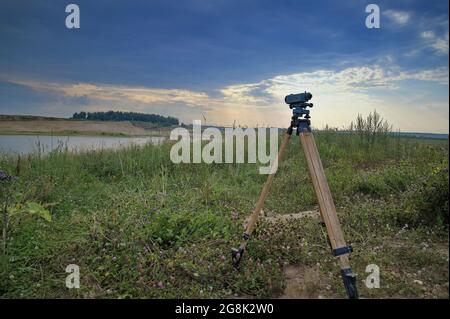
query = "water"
x=26 y=144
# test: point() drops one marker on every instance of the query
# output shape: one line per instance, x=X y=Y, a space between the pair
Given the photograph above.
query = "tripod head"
x=300 y=115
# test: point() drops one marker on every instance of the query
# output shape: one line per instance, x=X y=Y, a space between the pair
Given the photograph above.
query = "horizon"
x=229 y=61
x=342 y=129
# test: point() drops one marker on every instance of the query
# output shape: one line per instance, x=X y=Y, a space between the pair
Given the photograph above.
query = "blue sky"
x=228 y=60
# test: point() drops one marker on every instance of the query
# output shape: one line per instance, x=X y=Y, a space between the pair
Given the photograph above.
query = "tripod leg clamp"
x=342 y=250
x=289 y=130
x=350 y=283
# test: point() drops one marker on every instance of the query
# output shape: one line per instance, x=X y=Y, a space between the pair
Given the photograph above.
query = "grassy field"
x=140 y=226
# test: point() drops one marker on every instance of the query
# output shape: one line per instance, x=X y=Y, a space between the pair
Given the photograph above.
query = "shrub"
x=177 y=228
x=427 y=201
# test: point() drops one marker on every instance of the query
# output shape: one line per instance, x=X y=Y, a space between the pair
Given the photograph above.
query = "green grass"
x=140 y=226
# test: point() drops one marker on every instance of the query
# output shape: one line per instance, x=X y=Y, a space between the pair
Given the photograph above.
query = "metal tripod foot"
x=350 y=283
x=236 y=256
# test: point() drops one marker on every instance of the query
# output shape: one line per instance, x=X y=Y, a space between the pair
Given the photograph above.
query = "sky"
x=229 y=61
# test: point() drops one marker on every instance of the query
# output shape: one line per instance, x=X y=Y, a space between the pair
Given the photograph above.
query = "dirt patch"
x=286 y=217
x=276 y=218
x=304 y=283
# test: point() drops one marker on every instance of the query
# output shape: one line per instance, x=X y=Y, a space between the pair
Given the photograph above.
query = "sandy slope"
x=70 y=126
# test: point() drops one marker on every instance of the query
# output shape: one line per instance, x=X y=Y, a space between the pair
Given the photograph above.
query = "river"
x=26 y=144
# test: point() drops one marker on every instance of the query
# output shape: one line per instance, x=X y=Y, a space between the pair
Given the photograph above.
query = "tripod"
x=301 y=122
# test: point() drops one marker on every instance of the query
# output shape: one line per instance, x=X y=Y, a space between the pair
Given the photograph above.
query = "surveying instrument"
x=301 y=123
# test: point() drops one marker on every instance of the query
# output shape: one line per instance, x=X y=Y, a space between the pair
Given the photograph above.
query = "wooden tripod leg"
x=328 y=210
x=237 y=252
x=265 y=191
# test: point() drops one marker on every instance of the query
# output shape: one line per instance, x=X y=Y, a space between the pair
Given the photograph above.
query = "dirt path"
x=301 y=282
x=304 y=283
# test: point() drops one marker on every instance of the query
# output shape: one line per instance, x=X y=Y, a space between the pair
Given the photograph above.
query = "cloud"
x=340 y=94
x=104 y=92
x=438 y=75
x=398 y=17
x=438 y=43
x=428 y=35
x=349 y=80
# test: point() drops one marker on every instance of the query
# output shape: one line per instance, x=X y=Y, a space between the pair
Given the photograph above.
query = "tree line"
x=126 y=116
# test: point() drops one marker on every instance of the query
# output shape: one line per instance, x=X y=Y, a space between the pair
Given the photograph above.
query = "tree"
x=126 y=116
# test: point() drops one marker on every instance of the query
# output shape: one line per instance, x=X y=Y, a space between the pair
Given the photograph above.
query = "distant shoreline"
x=37 y=125
x=41 y=125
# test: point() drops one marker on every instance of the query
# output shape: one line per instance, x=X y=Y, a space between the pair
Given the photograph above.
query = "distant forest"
x=126 y=116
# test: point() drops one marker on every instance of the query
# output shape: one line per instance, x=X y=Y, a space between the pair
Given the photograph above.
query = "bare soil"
x=304 y=283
